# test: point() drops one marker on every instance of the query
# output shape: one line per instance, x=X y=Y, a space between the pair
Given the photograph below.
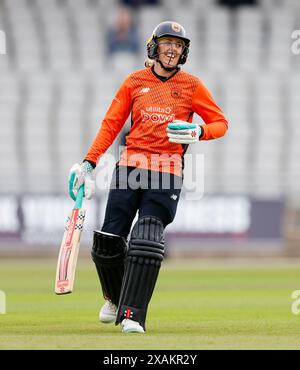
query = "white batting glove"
x=81 y=174
x=182 y=132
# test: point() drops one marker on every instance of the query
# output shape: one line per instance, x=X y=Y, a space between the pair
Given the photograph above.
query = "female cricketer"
x=161 y=100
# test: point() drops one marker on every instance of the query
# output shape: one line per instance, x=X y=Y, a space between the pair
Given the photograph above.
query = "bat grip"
x=79 y=197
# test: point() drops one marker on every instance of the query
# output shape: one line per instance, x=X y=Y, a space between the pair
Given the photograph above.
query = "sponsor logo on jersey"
x=157 y=115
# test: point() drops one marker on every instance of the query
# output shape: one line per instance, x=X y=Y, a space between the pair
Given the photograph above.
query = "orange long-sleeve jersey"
x=153 y=104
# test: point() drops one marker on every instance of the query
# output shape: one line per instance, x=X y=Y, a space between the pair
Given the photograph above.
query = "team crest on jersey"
x=176 y=93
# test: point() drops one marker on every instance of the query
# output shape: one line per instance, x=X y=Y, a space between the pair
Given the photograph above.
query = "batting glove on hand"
x=81 y=174
x=181 y=132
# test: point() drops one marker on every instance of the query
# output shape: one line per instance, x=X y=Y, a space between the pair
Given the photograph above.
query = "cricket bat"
x=68 y=253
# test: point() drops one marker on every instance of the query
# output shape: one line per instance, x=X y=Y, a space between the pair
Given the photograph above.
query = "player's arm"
x=203 y=104
x=112 y=124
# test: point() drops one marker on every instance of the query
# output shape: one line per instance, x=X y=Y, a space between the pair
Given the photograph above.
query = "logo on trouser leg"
x=2 y=302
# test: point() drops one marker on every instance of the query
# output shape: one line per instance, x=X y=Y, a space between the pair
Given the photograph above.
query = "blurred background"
x=61 y=62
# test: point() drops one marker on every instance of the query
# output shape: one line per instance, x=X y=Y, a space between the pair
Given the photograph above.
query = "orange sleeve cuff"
x=214 y=130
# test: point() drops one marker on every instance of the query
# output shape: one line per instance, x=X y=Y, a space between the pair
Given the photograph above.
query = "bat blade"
x=68 y=253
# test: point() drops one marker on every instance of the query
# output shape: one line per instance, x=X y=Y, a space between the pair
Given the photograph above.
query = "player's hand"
x=182 y=132
x=81 y=174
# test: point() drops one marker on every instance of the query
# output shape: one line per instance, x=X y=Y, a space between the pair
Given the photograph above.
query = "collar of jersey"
x=162 y=78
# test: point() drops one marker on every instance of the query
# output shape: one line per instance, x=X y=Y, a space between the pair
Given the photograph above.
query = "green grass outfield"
x=196 y=305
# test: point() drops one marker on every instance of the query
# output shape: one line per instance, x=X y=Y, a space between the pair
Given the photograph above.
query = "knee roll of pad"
x=108 y=254
x=144 y=257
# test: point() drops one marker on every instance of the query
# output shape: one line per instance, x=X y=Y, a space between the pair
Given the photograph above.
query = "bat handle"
x=79 y=197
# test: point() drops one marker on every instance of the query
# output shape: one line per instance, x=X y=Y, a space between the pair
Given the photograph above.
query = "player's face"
x=170 y=50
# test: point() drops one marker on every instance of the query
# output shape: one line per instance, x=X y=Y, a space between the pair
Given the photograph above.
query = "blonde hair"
x=148 y=63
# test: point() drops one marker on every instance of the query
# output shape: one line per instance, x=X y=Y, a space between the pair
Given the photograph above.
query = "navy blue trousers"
x=133 y=190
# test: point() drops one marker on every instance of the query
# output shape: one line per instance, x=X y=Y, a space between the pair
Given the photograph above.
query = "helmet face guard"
x=165 y=29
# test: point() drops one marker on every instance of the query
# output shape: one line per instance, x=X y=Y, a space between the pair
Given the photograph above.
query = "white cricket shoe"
x=108 y=312
x=130 y=326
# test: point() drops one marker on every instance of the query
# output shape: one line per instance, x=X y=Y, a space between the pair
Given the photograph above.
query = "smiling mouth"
x=171 y=55
x=170 y=59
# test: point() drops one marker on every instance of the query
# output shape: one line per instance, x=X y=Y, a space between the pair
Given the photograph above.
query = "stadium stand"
x=54 y=93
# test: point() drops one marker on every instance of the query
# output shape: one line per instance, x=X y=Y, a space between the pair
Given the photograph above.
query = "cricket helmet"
x=165 y=29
